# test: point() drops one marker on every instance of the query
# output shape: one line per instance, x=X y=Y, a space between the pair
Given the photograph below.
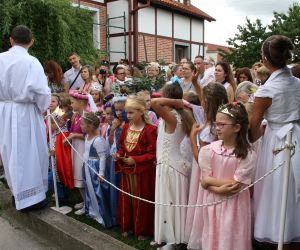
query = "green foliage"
x=58 y=28
x=289 y=25
x=145 y=83
x=246 y=45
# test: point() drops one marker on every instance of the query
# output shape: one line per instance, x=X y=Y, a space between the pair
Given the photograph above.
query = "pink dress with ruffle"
x=227 y=225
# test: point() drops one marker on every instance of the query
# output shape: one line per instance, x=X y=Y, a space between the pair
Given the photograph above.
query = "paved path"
x=14 y=238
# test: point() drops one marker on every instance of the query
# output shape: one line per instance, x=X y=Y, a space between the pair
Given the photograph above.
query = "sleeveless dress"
x=283 y=115
x=171 y=185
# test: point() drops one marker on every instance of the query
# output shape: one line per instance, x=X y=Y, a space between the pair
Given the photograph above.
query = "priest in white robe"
x=24 y=96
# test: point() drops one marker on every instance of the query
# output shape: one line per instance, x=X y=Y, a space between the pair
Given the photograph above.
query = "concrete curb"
x=65 y=232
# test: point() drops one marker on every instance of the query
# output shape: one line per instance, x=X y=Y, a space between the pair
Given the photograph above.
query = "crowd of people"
x=191 y=134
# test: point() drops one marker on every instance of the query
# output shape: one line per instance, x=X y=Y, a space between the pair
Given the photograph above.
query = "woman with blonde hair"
x=262 y=75
x=245 y=94
x=135 y=159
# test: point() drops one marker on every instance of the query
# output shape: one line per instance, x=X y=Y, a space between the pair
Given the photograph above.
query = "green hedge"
x=58 y=29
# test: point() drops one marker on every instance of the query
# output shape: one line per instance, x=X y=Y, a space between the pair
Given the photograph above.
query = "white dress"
x=24 y=96
x=282 y=115
x=171 y=185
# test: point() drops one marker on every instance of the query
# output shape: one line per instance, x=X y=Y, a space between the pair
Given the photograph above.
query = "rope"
x=174 y=205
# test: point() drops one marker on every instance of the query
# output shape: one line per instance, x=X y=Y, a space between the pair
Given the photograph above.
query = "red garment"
x=138 y=180
x=64 y=161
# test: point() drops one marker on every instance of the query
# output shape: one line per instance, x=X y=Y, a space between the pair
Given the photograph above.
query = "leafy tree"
x=289 y=25
x=246 y=45
x=58 y=28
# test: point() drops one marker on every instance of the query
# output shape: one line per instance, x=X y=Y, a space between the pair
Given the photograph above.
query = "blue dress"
x=113 y=177
x=96 y=192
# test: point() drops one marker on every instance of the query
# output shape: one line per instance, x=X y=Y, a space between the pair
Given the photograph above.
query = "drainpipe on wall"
x=134 y=13
x=129 y=33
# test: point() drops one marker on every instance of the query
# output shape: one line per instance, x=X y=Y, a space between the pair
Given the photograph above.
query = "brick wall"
x=165 y=49
x=150 y=48
x=102 y=20
x=103 y=16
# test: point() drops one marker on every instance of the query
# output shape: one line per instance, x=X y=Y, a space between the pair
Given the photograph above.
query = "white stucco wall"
x=181 y=27
x=115 y=9
x=117 y=44
x=146 y=22
x=195 y=51
x=164 y=23
x=197 y=30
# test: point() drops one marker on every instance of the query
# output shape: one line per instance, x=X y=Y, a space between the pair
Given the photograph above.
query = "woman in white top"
x=278 y=101
x=223 y=74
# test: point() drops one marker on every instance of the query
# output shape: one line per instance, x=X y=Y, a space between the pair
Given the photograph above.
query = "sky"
x=231 y=13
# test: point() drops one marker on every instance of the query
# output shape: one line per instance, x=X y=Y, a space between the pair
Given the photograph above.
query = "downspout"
x=129 y=32
x=134 y=13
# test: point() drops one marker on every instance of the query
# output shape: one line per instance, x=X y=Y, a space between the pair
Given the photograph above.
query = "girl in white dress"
x=278 y=101
x=171 y=173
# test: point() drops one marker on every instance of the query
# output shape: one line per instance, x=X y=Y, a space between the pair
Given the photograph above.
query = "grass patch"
x=114 y=232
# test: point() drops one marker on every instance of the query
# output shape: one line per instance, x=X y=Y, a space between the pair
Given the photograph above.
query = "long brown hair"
x=90 y=70
x=54 y=68
x=213 y=95
x=174 y=91
x=229 y=75
x=238 y=114
x=246 y=71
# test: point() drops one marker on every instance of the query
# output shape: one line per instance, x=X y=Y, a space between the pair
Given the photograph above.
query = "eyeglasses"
x=221 y=125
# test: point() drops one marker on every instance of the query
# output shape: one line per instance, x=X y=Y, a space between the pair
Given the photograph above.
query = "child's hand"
x=101 y=178
x=204 y=183
x=186 y=104
x=230 y=188
x=129 y=161
x=196 y=129
x=51 y=152
x=115 y=156
x=178 y=104
x=116 y=123
x=70 y=137
x=196 y=76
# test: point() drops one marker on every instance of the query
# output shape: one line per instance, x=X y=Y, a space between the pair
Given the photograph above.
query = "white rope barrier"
x=177 y=205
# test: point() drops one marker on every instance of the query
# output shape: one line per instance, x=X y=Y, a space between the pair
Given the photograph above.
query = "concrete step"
x=63 y=231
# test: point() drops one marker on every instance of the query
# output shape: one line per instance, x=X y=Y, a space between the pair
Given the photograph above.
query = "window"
x=181 y=51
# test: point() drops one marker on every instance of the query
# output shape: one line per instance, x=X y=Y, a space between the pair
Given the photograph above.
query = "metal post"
x=108 y=37
x=63 y=209
x=125 y=45
x=286 y=176
x=52 y=159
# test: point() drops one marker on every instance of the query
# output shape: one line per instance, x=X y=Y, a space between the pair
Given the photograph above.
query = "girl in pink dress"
x=227 y=166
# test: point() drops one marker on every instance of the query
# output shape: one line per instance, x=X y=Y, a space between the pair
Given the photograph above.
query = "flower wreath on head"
x=83 y=96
